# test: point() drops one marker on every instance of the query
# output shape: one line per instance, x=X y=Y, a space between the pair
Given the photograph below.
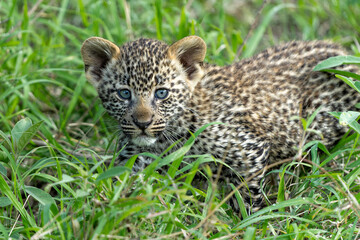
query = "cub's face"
x=144 y=84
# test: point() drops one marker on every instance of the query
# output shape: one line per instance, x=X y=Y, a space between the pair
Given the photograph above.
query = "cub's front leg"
x=251 y=160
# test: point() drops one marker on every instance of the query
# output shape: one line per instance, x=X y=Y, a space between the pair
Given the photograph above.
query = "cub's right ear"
x=96 y=52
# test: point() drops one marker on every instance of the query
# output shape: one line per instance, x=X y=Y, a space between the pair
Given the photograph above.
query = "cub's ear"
x=96 y=52
x=190 y=51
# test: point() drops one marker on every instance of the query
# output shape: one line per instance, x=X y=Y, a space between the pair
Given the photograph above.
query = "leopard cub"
x=158 y=93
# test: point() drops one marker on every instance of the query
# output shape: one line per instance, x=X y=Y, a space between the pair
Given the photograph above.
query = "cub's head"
x=144 y=84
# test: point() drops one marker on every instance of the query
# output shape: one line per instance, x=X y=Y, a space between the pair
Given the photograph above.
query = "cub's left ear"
x=190 y=51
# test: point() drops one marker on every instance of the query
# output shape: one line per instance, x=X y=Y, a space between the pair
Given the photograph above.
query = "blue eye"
x=124 y=94
x=161 y=93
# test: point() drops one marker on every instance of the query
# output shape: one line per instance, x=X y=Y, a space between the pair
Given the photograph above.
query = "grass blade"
x=336 y=61
x=254 y=41
x=5 y=189
x=112 y=172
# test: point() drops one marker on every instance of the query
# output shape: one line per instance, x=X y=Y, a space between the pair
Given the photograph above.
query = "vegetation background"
x=57 y=177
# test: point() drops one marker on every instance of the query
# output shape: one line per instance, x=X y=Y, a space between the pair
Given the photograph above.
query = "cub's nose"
x=142 y=115
x=142 y=125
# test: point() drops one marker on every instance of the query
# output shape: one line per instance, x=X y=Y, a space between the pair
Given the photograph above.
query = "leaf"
x=353 y=175
x=356 y=126
x=184 y=149
x=352 y=229
x=158 y=18
x=343 y=73
x=27 y=136
x=2 y=169
x=3 y=158
x=253 y=42
x=46 y=213
x=314 y=158
x=4 y=232
x=336 y=61
x=6 y=144
x=240 y=201
x=149 y=170
x=190 y=176
x=250 y=233
x=335 y=114
x=25 y=23
x=4 y=201
x=135 y=208
x=174 y=167
x=347 y=117
x=131 y=161
x=312 y=117
x=323 y=148
x=81 y=193
x=75 y=97
x=5 y=189
x=183 y=25
x=354 y=84
x=112 y=172
x=281 y=190
x=259 y=215
x=332 y=156
x=41 y=196
x=19 y=128
x=65 y=179
x=23 y=132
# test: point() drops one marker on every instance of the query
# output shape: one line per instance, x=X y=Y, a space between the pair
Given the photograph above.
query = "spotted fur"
x=256 y=98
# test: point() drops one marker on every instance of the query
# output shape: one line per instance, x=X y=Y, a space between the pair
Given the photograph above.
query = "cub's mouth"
x=143 y=140
x=143 y=136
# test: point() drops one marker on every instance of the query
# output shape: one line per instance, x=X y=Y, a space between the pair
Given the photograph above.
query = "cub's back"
x=278 y=84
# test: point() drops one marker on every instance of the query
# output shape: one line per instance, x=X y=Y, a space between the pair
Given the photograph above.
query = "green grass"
x=57 y=173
